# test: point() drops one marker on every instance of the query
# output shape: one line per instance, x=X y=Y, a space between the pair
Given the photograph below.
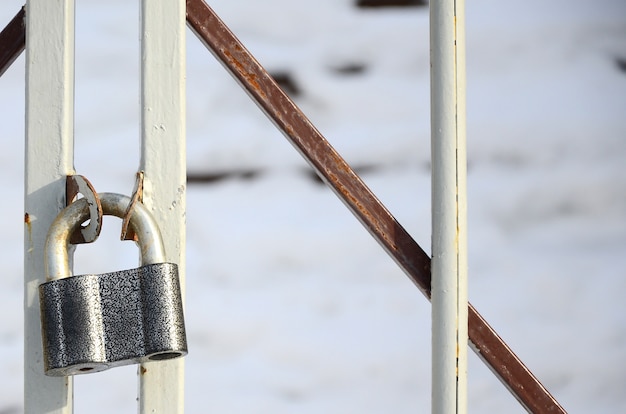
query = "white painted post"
x=49 y=158
x=449 y=205
x=163 y=161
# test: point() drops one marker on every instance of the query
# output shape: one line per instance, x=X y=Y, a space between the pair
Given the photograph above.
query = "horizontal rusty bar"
x=12 y=40
x=338 y=175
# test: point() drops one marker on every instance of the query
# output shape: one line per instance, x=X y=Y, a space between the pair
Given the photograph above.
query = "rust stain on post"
x=29 y=231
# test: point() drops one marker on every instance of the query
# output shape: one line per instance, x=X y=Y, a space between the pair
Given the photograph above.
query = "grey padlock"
x=94 y=322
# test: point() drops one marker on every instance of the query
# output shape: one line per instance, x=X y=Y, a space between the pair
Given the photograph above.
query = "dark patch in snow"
x=213 y=177
x=286 y=81
x=391 y=3
x=350 y=69
x=218 y=176
x=621 y=64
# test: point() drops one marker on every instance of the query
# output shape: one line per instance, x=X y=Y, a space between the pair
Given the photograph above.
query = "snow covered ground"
x=291 y=306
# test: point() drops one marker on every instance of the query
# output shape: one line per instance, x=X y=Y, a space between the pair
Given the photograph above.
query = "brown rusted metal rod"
x=12 y=40
x=358 y=198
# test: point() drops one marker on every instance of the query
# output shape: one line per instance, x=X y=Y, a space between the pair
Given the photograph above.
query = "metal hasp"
x=94 y=322
x=75 y=185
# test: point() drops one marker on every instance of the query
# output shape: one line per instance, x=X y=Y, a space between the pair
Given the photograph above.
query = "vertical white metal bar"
x=163 y=161
x=449 y=240
x=49 y=157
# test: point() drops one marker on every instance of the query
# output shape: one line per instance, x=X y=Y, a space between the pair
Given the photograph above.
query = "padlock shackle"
x=69 y=220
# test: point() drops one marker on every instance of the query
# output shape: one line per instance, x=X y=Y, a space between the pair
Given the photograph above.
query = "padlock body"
x=94 y=322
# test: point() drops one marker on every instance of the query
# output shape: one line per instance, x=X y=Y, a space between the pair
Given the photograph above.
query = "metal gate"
x=54 y=19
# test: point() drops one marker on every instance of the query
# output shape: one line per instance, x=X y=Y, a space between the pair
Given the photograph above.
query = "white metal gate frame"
x=50 y=158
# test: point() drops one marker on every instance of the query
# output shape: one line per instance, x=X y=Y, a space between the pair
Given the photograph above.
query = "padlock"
x=94 y=322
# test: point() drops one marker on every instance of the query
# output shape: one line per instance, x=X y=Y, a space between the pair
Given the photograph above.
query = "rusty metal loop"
x=137 y=197
x=78 y=184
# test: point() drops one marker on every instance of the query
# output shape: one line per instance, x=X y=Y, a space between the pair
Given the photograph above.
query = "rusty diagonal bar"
x=12 y=40
x=338 y=175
